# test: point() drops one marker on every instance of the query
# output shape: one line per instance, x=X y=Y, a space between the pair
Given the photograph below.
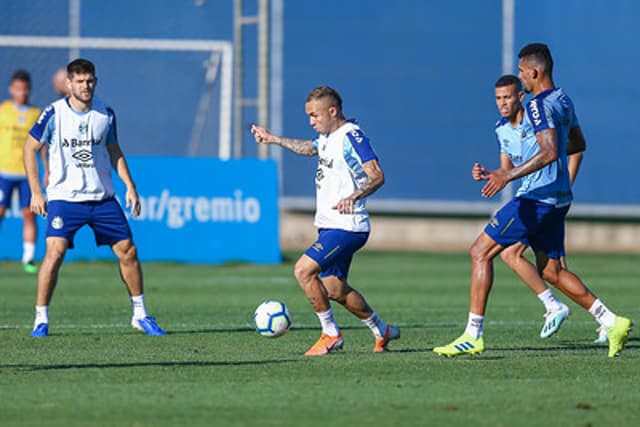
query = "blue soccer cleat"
x=148 y=325
x=40 y=331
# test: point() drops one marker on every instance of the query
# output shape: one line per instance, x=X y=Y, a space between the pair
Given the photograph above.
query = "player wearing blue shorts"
x=512 y=136
x=80 y=134
x=16 y=118
x=536 y=214
x=348 y=171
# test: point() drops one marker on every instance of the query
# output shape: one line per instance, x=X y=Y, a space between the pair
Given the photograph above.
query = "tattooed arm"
x=375 y=179
x=498 y=179
x=303 y=147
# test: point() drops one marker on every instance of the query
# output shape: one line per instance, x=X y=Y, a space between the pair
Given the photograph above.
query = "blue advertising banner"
x=194 y=210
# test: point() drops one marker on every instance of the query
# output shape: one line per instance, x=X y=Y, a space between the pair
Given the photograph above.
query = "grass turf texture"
x=213 y=369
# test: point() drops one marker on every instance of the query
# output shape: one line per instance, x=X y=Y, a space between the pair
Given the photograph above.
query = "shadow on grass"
x=294 y=328
x=146 y=364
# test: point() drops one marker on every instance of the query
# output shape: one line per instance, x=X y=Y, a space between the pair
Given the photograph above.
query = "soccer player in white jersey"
x=537 y=212
x=348 y=172
x=82 y=140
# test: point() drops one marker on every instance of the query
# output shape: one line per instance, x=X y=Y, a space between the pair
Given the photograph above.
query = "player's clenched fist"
x=261 y=135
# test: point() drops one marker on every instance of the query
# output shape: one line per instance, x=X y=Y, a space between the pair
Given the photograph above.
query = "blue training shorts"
x=334 y=250
x=536 y=224
x=6 y=189
x=105 y=218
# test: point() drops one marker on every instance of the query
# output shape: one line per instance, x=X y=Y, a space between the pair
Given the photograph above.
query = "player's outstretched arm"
x=375 y=180
x=120 y=165
x=303 y=147
x=38 y=201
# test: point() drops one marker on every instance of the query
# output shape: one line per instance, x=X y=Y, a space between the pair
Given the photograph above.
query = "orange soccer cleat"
x=325 y=345
x=392 y=333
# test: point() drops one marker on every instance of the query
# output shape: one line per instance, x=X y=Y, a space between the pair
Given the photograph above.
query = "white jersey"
x=79 y=162
x=340 y=173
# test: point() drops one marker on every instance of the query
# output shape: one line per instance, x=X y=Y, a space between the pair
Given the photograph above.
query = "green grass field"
x=213 y=369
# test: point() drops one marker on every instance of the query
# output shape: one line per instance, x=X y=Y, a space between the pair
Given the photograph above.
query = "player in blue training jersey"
x=510 y=133
x=80 y=134
x=537 y=212
x=348 y=171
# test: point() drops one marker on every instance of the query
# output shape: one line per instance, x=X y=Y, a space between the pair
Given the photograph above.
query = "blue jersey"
x=519 y=144
x=551 y=109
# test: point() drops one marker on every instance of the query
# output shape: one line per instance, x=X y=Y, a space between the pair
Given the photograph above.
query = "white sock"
x=329 y=325
x=602 y=314
x=549 y=300
x=137 y=304
x=28 y=252
x=376 y=324
x=42 y=315
x=475 y=325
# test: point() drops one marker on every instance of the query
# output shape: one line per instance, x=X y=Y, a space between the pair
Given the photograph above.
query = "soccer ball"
x=272 y=319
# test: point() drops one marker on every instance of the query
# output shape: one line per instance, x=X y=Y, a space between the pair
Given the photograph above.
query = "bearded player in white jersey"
x=348 y=171
x=80 y=134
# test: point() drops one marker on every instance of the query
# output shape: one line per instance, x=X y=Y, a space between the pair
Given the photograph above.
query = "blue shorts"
x=536 y=224
x=6 y=190
x=105 y=218
x=334 y=250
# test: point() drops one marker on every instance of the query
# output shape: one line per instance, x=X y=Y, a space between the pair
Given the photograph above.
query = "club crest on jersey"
x=317 y=246
x=83 y=128
x=57 y=223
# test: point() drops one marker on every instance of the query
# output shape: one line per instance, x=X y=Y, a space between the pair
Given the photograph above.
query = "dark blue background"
x=418 y=75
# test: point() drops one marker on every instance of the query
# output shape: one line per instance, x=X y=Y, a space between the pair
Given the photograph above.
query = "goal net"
x=171 y=96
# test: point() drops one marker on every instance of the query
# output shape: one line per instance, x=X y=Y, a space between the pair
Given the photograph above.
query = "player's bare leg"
x=617 y=327
x=306 y=272
x=131 y=274
x=513 y=256
x=555 y=311
x=570 y=284
x=339 y=290
x=48 y=275
x=47 y=280
x=29 y=232
x=482 y=252
x=130 y=270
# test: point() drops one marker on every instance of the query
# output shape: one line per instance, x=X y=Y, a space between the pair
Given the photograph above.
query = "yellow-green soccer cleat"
x=30 y=268
x=618 y=335
x=465 y=344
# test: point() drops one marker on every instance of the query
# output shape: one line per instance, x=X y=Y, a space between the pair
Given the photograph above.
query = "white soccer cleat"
x=553 y=320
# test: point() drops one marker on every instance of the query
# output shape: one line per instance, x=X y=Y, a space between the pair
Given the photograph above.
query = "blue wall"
x=418 y=75
x=193 y=210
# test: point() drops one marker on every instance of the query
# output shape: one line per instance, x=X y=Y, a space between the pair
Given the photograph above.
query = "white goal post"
x=216 y=47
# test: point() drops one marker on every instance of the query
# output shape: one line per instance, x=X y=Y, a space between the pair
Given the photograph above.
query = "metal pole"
x=508 y=36
x=237 y=74
x=263 y=71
